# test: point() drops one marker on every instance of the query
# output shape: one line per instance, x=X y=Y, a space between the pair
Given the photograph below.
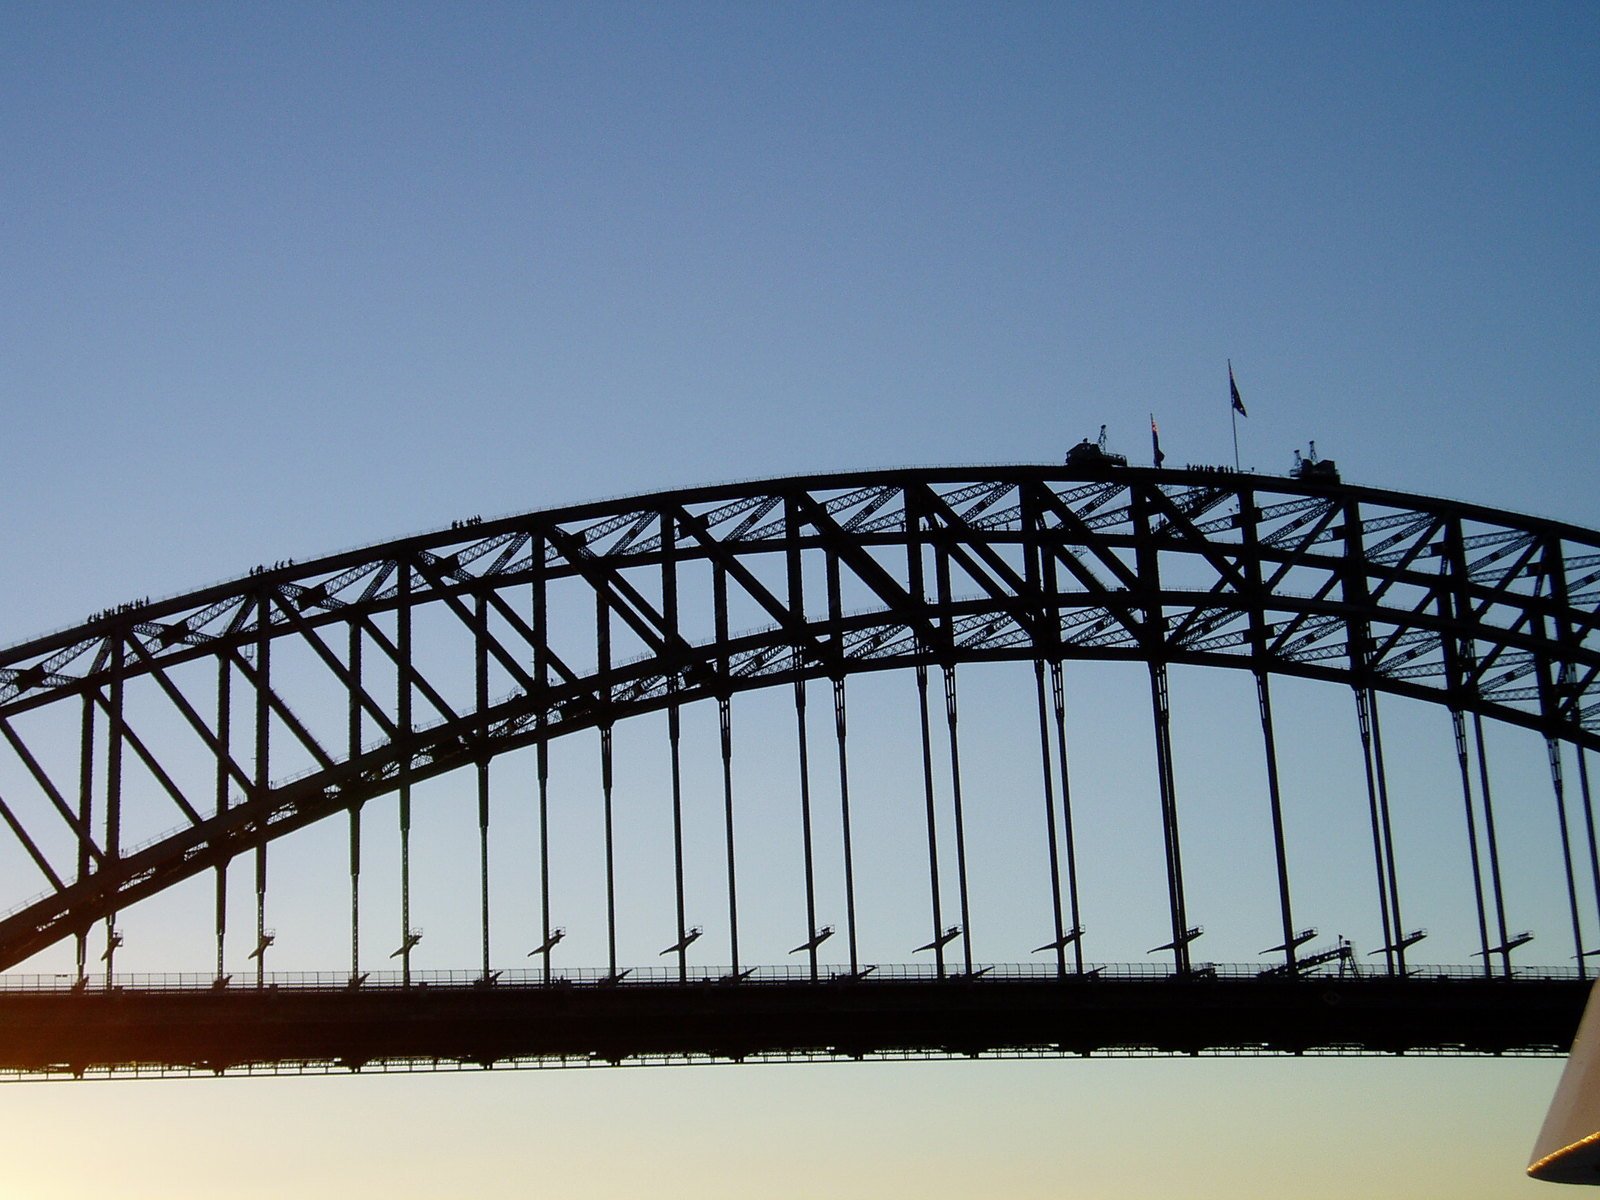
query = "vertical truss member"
x=914 y=570
x=1394 y=937
x=1155 y=649
x=263 y=683
x=725 y=724
x=1058 y=692
x=481 y=663
x=939 y=941
x=1553 y=750
x=955 y=795
x=1248 y=517
x=1557 y=696
x=1458 y=726
x=669 y=609
x=812 y=941
x=403 y=701
x=1358 y=637
x=797 y=607
x=1275 y=796
x=1040 y=570
x=85 y=820
x=1493 y=845
x=1377 y=831
x=1459 y=654
x=725 y=728
x=1182 y=932
x=840 y=730
x=1061 y=940
x=224 y=724
x=355 y=809
x=1461 y=665
x=1588 y=816
x=1065 y=936
x=114 y=739
x=944 y=532
x=603 y=658
x=541 y=674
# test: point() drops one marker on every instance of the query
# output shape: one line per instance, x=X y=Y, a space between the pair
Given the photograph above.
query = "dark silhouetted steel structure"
x=1491 y=615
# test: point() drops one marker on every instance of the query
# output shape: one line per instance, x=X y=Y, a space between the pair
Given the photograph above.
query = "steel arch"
x=1485 y=612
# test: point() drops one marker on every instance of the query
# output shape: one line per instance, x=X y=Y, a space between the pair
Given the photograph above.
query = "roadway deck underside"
x=216 y=1029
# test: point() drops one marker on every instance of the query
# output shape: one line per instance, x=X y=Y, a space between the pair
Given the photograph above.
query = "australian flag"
x=1238 y=404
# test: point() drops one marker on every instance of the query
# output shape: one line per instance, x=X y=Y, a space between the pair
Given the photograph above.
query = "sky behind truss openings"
x=276 y=282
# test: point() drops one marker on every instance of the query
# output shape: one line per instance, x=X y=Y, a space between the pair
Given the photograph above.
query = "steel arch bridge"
x=161 y=740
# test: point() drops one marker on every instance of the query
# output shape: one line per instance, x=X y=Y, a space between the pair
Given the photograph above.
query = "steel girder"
x=1481 y=611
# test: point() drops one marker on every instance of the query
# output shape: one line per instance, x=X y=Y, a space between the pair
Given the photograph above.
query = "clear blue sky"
x=276 y=281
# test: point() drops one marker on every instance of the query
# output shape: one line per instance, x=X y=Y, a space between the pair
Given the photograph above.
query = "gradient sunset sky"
x=278 y=280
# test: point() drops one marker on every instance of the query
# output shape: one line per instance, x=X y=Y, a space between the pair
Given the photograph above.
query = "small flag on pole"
x=1155 y=441
x=1238 y=404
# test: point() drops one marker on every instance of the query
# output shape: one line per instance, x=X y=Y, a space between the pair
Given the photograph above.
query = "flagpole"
x=1233 y=414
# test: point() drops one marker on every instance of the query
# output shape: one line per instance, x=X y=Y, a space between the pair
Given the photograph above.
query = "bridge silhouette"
x=157 y=753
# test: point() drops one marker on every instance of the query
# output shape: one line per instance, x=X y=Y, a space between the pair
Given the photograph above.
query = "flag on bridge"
x=1238 y=404
x=1155 y=441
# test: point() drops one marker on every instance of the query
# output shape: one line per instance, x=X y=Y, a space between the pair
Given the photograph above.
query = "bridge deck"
x=49 y=1031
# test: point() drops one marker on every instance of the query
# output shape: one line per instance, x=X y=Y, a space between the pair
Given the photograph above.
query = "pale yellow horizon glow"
x=1024 y=1130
